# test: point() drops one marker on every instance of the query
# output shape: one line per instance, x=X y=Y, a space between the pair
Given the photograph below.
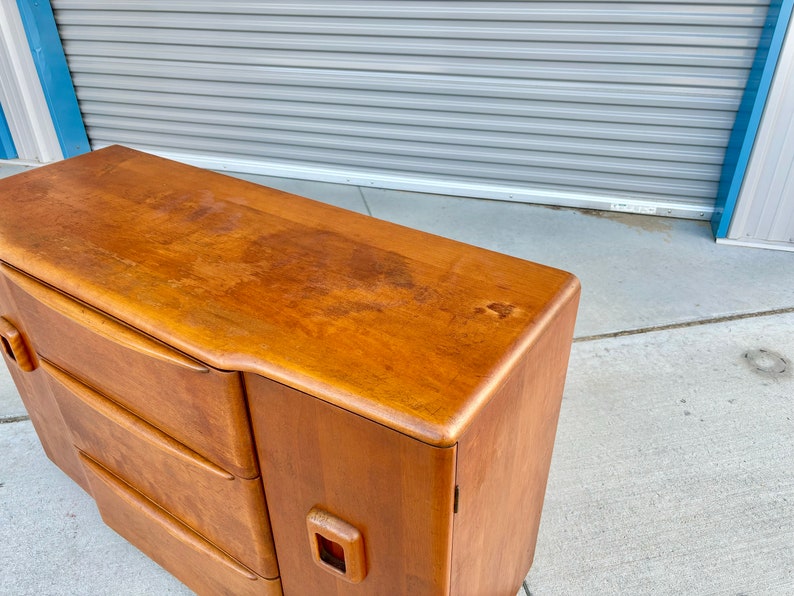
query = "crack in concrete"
x=698 y=323
x=10 y=419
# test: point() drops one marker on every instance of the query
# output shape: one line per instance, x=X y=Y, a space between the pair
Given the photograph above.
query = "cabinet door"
x=396 y=492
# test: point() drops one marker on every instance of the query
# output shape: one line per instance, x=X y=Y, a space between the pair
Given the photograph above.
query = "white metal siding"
x=764 y=214
x=21 y=95
x=623 y=104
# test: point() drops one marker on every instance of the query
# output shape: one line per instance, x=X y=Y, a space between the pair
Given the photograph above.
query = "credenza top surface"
x=408 y=329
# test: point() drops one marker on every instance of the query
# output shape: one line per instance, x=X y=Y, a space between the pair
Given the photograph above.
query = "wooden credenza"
x=270 y=395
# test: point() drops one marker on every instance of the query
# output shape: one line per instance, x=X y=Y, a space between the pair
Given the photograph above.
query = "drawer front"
x=189 y=557
x=230 y=512
x=45 y=415
x=37 y=397
x=201 y=407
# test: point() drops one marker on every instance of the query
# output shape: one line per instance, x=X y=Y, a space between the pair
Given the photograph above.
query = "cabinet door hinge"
x=457 y=498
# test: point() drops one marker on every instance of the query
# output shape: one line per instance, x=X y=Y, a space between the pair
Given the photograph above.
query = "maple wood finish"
x=203 y=408
x=397 y=491
x=209 y=358
x=337 y=546
x=38 y=399
x=230 y=511
x=177 y=547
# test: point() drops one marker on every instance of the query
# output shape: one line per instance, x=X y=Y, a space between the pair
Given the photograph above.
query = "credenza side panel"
x=503 y=465
x=398 y=492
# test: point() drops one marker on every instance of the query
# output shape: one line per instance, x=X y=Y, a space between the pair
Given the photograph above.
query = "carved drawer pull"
x=337 y=546
x=99 y=323
x=14 y=346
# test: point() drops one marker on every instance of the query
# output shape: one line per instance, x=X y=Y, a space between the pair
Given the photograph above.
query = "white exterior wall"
x=764 y=213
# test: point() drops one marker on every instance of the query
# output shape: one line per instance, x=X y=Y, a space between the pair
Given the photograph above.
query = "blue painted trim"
x=748 y=118
x=7 y=148
x=56 y=81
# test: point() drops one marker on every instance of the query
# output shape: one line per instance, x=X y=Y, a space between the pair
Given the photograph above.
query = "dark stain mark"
x=228 y=224
x=201 y=209
x=633 y=220
x=766 y=363
x=203 y=206
x=687 y=413
x=424 y=294
x=372 y=266
x=331 y=261
x=199 y=213
x=332 y=273
x=479 y=310
x=501 y=309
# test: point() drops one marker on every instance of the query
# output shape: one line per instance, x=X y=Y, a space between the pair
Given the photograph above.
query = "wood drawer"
x=230 y=512
x=199 y=406
x=45 y=415
x=38 y=400
x=177 y=548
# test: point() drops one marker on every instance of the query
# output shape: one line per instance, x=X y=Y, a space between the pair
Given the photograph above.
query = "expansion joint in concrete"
x=9 y=419
x=697 y=323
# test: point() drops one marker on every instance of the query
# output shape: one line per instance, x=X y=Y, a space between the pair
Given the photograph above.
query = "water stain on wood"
x=329 y=260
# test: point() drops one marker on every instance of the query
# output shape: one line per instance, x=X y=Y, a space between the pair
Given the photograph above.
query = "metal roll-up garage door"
x=621 y=105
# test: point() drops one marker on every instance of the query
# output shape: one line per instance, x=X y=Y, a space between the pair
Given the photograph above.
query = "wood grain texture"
x=337 y=546
x=503 y=465
x=15 y=346
x=397 y=491
x=170 y=312
x=229 y=512
x=408 y=329
x=194 y=561
x=98 y=323
x=39 y=402
x=202 y=408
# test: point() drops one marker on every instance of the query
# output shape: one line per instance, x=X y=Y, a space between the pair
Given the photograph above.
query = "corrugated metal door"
x=622 y=105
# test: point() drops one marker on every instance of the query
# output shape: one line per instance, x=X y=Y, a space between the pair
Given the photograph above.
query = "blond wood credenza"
x=271 y=395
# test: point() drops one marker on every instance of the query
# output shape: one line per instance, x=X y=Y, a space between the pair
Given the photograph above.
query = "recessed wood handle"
x=99 y=323
x=336 y=546
x=14 y=346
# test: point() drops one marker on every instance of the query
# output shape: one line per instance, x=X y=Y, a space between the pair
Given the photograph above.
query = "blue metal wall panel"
x=56 y=81
x=7 y=148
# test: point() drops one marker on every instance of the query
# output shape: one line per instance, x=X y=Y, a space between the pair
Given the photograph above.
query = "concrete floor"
x=672 y=471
